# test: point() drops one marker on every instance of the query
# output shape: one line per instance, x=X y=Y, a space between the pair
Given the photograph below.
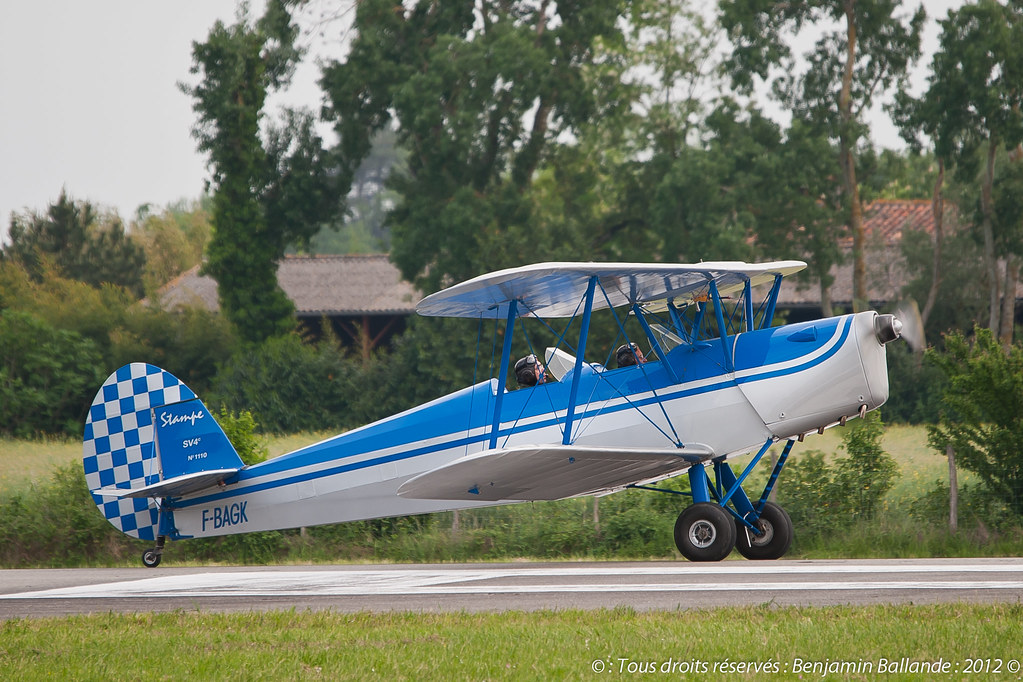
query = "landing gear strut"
x=723 y=516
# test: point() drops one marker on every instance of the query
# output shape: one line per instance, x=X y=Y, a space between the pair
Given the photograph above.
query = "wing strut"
x=661 y=355
x=580 y=351
x=772 y=300
x=747 y=294
x=505 y=358
x=722 y=329
x=676 y=319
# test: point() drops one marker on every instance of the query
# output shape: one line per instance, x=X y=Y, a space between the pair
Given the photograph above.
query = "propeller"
x=908 y=312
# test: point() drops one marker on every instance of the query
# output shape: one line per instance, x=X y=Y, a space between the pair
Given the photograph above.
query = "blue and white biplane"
x=720 y=382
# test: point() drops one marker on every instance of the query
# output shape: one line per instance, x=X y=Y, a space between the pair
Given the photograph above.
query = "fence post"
x=953 y=490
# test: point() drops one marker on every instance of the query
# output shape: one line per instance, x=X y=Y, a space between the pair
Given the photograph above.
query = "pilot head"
x=629 y=354
x=529 y=371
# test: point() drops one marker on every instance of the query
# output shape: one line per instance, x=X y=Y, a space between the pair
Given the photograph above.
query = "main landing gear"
x=722 y=517
x=706 y=531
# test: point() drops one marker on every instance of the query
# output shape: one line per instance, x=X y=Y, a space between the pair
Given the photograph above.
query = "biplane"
x=719 y=381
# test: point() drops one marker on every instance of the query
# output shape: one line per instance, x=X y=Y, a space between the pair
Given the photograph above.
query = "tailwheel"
x=705 y=532
x=151 y=557
x=776 y=528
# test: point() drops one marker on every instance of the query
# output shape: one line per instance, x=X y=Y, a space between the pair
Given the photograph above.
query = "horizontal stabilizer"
x=548 y=472
x=172 y=487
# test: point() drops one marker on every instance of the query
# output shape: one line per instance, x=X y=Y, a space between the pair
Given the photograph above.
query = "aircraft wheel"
x=777 y=528
x=150 y=558
x=705 y=532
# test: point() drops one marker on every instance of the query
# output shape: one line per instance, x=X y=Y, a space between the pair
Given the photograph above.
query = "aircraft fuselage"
x=731 y=396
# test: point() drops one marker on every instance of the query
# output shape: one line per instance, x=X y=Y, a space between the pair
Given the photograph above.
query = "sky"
x=89 y=100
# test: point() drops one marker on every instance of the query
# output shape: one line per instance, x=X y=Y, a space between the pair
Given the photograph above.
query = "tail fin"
x=147 y=437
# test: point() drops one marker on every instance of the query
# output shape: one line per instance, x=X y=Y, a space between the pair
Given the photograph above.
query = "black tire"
x=777 y=528
x=705 y=532
x=150 y=558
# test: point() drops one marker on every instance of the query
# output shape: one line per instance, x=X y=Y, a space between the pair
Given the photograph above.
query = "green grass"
x=568 y=645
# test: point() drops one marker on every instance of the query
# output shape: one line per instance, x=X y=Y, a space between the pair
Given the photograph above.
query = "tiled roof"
x=885 y=220
x=884 y=223
x=318 y=285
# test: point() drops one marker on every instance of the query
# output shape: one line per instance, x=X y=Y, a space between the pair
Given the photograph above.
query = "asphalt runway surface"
x=508 y=586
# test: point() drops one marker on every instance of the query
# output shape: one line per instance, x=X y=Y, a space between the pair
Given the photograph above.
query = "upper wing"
x=548 y=472
x=555 y=289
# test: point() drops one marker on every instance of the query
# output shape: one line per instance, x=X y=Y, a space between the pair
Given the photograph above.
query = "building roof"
x=885 y=220
x=884 y=223
x=318 y=285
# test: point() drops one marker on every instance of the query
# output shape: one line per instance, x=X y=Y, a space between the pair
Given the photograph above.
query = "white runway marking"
x=528 y=580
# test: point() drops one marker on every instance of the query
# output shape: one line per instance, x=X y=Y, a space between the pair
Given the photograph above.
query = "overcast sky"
x=89 y=100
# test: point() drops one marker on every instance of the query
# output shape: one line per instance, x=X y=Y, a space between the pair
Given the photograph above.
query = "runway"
x=508 y=586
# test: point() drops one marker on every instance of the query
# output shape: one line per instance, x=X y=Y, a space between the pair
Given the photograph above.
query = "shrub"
x=289 y=386
x=823 y=498
x=240 y=429
x=47 y=377
x=982 y=412
x=56 y=523
x=916 y=385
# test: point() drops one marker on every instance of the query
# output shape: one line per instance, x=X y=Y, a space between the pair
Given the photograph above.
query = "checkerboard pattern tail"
x=118 y=444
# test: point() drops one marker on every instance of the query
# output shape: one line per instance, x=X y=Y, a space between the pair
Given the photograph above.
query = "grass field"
x=879 y=642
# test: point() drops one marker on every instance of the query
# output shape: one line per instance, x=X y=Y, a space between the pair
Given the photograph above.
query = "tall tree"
x=800 y=204
x=971 y=109
x=847 y=68
x=674 y=52
x=79 y=243
x=480 y=95
x=268 y=190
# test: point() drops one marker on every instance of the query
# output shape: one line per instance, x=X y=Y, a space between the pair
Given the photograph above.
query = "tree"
x=480 y=96
x=982 y=417
x=971 y=109
x=362 y=229
x=846 y=69
x=268 y=191
x=174 y=240
x=673 y=52
x=47 y=376
x=78 y=243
